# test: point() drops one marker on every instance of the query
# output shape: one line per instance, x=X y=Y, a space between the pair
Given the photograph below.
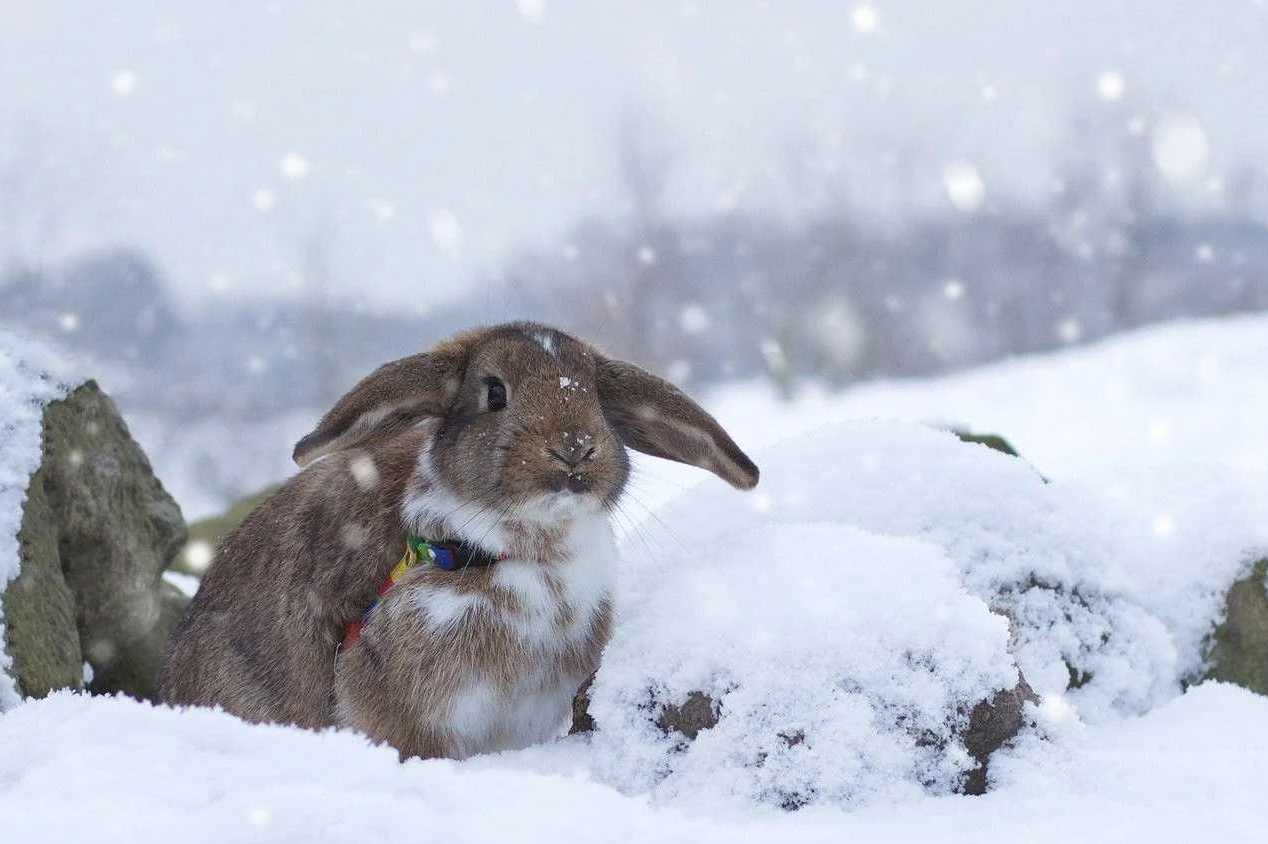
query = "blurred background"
x=235 y=210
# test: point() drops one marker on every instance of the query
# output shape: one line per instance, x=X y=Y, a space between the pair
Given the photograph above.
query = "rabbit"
x=502 y=451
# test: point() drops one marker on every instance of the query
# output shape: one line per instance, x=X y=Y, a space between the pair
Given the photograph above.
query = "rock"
x=581 y=720
x=698 y=712
x=991 y=723
x=39 y=608
x=1239 y=645
x=98 y=531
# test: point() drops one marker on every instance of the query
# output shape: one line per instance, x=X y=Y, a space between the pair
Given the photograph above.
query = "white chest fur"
x=518 y=647
x=555 y=604
x=552 y=615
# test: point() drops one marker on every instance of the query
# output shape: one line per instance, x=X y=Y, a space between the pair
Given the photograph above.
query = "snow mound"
x=844 y=665
x=1108 y=612
x=25 y=387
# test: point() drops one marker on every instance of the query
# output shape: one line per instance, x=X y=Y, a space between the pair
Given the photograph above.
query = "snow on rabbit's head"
x=528 y=420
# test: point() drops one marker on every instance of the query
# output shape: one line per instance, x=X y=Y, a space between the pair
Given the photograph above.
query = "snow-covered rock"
x=25 y=388
x=843 y=666
x=85 y=533
x=884 y=579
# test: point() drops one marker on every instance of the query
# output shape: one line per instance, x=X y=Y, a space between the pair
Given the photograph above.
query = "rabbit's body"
x=451 y=663
x=260 y=636
x=508 y=441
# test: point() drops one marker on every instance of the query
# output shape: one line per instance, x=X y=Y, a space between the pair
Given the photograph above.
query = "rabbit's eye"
x=496 y=394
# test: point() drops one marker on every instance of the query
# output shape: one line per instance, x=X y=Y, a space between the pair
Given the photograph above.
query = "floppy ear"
x=653 y=416
x=392 y=397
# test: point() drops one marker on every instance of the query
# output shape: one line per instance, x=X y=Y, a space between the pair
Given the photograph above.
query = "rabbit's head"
x=529 y=419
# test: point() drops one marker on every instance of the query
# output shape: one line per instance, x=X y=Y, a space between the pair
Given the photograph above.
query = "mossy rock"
x=39 y=608
x=1239 y=645
x=97 y=532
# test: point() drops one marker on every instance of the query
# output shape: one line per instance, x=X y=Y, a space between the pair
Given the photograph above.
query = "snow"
x=1110 y=85
x=294 y=166
x=1181 y=149
x=882 y=574
x=111 y=769
x=1090 y=582
x=865 y=19
x=25 y=387
x=829 y=649
x=964 y=185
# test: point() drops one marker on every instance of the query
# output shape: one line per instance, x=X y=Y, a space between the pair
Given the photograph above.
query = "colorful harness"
x=444 y=555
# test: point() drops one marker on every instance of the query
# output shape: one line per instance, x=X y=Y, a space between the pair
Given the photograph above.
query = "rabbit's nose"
x=573 y=455
x=573 y=449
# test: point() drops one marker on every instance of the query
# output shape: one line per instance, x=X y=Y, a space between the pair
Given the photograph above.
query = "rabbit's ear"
x=393 y=397
x=653 y=416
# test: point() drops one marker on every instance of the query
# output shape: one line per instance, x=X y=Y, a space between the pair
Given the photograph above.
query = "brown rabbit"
x=499 y=453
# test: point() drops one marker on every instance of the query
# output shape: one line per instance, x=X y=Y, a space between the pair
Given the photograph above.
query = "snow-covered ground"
x=847 y=601
x=109 y=770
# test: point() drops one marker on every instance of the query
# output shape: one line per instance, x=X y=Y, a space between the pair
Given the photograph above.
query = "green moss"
x=994 y=441
x=1239 y=646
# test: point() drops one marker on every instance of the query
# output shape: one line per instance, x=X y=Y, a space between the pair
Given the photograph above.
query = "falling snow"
x=1181 y=149
x=1110 y=86
x=694 y=319
x=123 y=83
x=446 y=232
x=964 y=185
x=865 y=19
x=263 y=199
x=294 y=166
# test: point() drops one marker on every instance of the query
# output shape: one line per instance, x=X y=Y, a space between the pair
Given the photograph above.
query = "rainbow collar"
x=446 y=555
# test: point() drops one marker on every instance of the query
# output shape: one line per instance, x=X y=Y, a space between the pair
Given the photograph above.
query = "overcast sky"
x=418 y=142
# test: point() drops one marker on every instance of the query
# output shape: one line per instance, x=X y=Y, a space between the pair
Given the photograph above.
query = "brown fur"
x=261 y=637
